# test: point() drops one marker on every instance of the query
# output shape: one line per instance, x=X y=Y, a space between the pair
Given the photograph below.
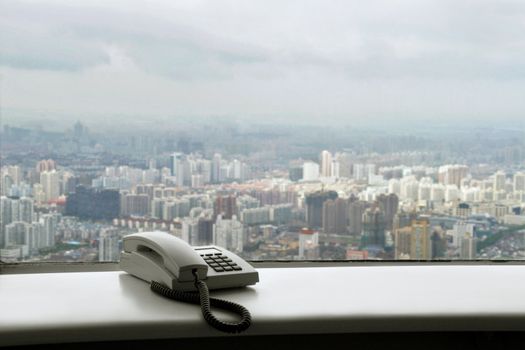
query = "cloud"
x=388 y=58
x=58 y=37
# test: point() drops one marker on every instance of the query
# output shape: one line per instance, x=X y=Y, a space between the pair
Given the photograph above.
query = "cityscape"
x=264 y=191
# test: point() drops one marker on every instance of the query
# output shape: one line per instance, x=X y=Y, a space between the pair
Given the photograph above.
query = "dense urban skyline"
x=269 y=193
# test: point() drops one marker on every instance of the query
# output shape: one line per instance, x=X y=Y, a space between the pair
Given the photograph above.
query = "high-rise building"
x=310 y=171
x=197 y=181
x=225 y=206
x=356 y=210
x=205 y=231
x=345 y=166
x=94 y=204
x=109 y=245
x=45 y=165
x=452 y=174
x=256 y=216
x=281 y=214
x=50 y=184
x=14 y=210
x=18 y=233
x=308 y=244
x=439 y=243
x=326 y=164
x=5 y=217
x=314 y=207
x=468 y=247
x=190 y=228
x=216 y=164
x=49 y=224
x=519 y=182
x=499 y=186
x=403 y=219
x=174 y=158
x=499 y=181
x=183 y=172
x=15 y=173
x=229 y=234
x=6 y=184
x=335 y=169
x=414 y=241
x=134 y=204
x=463 y=210
x=389 y=204
x=373 y=229
x=335 y=216
x=359 y=171
x=437 y=193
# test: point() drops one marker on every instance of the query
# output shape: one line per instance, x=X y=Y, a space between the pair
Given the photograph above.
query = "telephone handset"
x=174 y=269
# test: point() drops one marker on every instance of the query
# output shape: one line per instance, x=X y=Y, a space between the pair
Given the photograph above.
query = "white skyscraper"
x=15 y=173
x=22 y=235
x=310 y=171
x=335 y=169
x=519 y=182
x=326 y=164
x=190 y=230
x=216 y=168
x=49 y=224
x=499 y=186
x=197 y=181
x=394 y=186
x=360 y=172
x=25 y=209
x=174 y=158
x=237 y=169
x=183 y=175
x=499 y=181
x=451 y=193
x=50 y=184
x=308 y=243
x=424 y=191
x=229 y=234
x=108 y=245
x=437 y=193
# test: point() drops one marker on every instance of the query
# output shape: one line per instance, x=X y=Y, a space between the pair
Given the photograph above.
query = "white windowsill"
x=98 y=306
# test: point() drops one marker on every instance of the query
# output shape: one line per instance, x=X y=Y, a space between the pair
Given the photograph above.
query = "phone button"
x=237 y=268
x=228 y=268
x=218 y=269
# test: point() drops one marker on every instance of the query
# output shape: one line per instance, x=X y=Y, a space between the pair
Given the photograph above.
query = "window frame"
x=65 y=267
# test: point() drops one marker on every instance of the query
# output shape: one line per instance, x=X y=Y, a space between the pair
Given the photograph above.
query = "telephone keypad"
x=220 y=263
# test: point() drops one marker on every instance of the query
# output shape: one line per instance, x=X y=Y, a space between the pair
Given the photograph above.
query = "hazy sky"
x=321 y=60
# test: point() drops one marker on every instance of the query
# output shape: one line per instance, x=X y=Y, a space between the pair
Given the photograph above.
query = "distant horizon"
x=57 y=121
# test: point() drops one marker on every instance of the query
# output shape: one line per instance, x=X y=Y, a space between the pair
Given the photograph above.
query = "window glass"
x=297 y=130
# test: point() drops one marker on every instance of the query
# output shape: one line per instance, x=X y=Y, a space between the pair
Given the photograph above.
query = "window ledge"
x=102 y=306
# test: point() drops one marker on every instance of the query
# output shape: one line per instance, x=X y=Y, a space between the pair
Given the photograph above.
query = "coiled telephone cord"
x=203 y=298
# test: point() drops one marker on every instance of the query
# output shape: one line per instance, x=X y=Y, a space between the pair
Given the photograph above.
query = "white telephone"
x=174 y=268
